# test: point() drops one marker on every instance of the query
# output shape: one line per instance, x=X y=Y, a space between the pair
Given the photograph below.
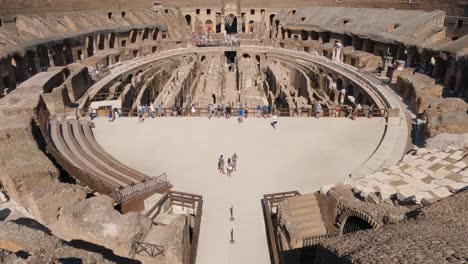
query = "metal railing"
x=147 y=249
x=186 y=200
x=141 y=188
x=248 y=112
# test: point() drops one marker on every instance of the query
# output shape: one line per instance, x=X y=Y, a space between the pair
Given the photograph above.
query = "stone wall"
x=419 y=89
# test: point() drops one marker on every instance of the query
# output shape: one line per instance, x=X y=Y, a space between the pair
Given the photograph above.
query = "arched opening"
x=111 y=40
x=354 y=224
x=258 y=62
x=304 y=35
x=202 y=58
x=90 y=46
x=155 y=33
x=230 y=24
x=314 y=35
x=214 y=98
x=68 y=52
x=272 y=16
x=145 y=34
x=347 y=40
x=339 y=84
x=208 y=26
x=133 y=36
x=101 y=42
x=246 y=56
x=251 y=26
x=281 y=101
x=188 y=18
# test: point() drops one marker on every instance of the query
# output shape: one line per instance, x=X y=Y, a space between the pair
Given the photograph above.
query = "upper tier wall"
x=451 y=7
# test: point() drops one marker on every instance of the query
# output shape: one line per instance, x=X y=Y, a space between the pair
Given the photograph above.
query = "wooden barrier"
x=270 y=202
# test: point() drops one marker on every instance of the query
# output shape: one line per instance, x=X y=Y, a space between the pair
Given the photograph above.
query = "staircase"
x=230 y=88
x=300 y=216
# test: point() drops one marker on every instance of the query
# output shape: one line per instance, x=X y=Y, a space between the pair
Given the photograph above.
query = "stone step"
x=313 y=231
x=298 y=212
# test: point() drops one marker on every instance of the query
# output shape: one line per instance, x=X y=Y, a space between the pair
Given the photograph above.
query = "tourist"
x=92 y=113
x=228 y=111
x=265 y=111
x=259 y=108
x=275 y=121
x=141 y=116
x=192 y=110
x=354 y=113
x=359 y=109
x=208 y=111
x=219 y=111
x=229 y=168
x=318 y=110
x=152 y=110
x=371 y=111
x=337 y=111
x=159 y=110
x=143 y=111
x=221 y=164
x=111 y=115
x=234 y=161
x=241 y=116
x=116 y=113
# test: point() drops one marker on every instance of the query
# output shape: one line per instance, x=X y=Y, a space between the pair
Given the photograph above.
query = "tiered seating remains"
x=74 y=140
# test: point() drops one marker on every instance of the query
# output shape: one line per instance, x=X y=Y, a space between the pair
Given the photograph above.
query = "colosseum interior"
x=339 y=130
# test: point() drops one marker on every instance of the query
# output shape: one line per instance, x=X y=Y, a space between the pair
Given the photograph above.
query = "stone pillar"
x=51 y=57
x=337 y=51
x=342 y=96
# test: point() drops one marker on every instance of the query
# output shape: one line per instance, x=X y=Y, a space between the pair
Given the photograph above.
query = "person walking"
x=159 y=110
x=371 y=111
x=208 y=111
x=152 y=110
x=234 y=161
x=221 y=164
x=241 y=116
x=265 y=111
x=193 y=110
x=259 y=108
x=318 y=110
x=229 y=168
x=275 y=121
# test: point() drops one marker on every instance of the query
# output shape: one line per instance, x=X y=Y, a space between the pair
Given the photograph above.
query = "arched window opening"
x=354 y=224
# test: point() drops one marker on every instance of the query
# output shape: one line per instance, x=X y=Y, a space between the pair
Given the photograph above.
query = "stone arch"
x=272 y=17
x=251 y=26
x=353 y=220
x=133 y=36
x=101 y=42
x=314 y=35
x=155 y=33
x=188 y=19
x=230 y=24
x=202 y=58
x=145 y=34
x=208 y=26
x=304 y=35
x=245 y=55
x=112 y=40
x=90 y=46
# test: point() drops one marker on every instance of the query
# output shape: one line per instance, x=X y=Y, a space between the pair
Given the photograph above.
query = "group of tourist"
x=231 y=40
x=98 y=73
x=231 y=164
x=148 y=111
x=207 y=41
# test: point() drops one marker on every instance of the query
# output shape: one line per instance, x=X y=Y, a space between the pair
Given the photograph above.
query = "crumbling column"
x=337 y=51
x=51 y=58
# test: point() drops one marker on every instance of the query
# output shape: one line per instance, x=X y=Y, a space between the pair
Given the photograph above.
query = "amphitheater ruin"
x=342 y=125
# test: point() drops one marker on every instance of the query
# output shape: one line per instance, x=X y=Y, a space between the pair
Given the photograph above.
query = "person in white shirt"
x=275 y=121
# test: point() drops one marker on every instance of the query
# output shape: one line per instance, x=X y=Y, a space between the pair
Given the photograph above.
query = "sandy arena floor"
x=301 y=154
